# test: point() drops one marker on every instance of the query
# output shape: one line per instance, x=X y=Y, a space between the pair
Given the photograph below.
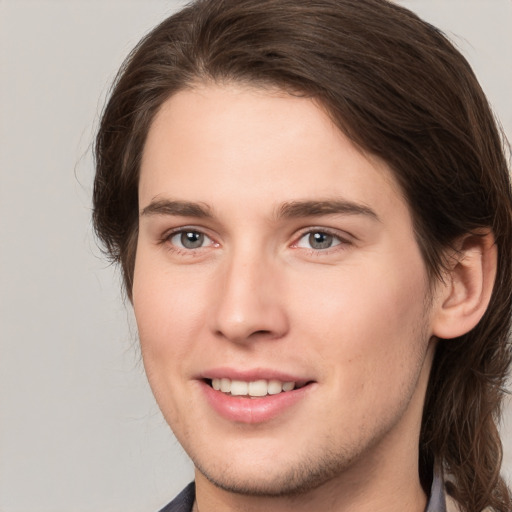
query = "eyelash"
x=341 y=241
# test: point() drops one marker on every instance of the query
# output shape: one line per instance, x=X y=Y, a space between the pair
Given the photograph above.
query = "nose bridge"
x=249 y=302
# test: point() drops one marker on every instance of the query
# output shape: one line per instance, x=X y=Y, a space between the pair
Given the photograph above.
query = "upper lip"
x=250 y=375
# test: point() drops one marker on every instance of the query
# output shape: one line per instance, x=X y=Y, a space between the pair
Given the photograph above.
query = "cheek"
x=167 y=311
x=168 y=320
x=373 y=324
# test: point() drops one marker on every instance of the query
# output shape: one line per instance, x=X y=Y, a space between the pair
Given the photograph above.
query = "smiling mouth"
x=252 y=389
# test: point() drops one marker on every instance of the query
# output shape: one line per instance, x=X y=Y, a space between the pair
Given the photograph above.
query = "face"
x=280 y=296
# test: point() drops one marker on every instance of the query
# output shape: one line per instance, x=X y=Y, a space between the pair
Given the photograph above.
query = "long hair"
x=398 y=89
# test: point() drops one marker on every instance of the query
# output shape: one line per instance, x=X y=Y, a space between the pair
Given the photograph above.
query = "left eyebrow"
x=297 y=209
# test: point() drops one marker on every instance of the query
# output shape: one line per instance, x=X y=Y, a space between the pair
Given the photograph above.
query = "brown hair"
x=399 y=89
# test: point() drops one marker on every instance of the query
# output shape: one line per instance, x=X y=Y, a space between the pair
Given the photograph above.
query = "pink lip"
x=252 y=410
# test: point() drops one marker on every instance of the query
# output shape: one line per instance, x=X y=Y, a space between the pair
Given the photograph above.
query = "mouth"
x=248 y=397
x=253 y=389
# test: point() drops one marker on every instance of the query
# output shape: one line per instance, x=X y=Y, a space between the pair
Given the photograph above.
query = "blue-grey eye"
x=188 y=239
x=318 y=240
x=192 y=239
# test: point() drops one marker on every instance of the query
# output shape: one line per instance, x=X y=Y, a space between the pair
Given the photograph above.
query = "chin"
x=279 y=480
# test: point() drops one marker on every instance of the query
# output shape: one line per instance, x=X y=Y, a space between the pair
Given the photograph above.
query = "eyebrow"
x=297 y=209
x=179 y=208
x=288 y=210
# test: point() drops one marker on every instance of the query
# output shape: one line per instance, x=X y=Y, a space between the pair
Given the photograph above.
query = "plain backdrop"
x=79 y=429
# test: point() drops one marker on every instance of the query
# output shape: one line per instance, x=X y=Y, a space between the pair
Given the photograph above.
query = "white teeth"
x=274 y=387
x=258 y=388
x=288 y=386
x=254 y=388
x=239 y=388
x=225 y=385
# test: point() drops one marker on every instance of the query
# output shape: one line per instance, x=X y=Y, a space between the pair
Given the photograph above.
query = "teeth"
x=254 y=388
x=239 y=388
x=288 y=386
x=225 y=385
x=274 y=387
x=257 y=388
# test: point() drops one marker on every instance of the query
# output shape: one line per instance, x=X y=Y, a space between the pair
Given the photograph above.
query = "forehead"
x=212 y=143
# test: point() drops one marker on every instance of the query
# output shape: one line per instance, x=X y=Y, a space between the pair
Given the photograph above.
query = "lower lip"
x=252 y=410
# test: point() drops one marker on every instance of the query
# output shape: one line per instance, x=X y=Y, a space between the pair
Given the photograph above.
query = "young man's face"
x=272 y=251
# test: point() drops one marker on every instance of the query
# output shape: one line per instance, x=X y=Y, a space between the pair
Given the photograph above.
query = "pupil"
x=192 y=239
x=320 y=240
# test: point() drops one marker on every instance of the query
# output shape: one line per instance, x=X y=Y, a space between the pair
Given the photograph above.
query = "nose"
x=250 y=305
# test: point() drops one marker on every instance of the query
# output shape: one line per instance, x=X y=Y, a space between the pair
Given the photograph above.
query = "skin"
x=356 y=319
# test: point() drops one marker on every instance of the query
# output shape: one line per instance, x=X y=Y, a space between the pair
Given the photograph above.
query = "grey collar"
x=437 y=500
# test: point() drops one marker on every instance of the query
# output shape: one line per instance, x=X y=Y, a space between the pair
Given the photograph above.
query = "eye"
x=318 y=240
x=189 y=239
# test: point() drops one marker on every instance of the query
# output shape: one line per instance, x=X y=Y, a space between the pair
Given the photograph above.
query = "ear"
x=461 y=299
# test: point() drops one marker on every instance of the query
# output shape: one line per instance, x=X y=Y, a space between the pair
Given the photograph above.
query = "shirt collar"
x=437 y=499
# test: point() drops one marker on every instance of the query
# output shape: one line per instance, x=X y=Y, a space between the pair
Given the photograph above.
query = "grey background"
x=79 y=429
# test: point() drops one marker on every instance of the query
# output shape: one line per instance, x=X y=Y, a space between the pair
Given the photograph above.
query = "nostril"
x=261 y=333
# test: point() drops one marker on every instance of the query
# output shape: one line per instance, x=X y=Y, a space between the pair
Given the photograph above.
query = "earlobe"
x=463 y=296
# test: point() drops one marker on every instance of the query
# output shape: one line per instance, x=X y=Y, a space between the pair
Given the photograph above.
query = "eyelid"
x=342 y=236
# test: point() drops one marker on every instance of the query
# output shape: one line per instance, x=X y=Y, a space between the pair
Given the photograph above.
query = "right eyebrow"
x=178 y=208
